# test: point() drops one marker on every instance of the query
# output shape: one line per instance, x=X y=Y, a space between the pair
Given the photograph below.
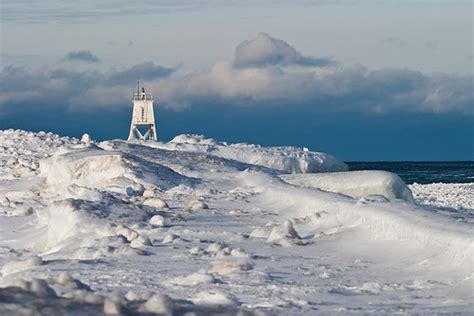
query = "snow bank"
x=356 y=184
x=387 y=221
x=284 y=159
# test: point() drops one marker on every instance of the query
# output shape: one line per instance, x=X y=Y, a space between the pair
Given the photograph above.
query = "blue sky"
x=364 y=80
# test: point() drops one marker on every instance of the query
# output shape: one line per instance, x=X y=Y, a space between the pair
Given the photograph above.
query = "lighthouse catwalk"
x=143 y=118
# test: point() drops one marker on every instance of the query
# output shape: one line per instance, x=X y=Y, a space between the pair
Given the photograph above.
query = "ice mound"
x=107 y=170
x=356 y=184
x=284 y=159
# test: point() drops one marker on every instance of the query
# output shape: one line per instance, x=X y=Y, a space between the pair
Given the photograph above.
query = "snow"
x=356 y=184
x=285 y=159
x=201 y=226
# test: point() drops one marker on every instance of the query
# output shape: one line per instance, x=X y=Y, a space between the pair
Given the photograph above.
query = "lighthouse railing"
x=142 y=96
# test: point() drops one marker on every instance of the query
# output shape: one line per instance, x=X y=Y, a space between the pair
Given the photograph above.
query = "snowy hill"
x=205 y=226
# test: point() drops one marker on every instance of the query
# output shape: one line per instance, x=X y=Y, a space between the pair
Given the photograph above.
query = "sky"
x=362 y=80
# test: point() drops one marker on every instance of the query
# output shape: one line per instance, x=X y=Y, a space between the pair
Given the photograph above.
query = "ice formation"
x=356 y=184
x=197 y=225
x=286 y=159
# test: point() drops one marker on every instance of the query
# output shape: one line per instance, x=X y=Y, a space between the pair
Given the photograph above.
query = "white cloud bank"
x=261 y=75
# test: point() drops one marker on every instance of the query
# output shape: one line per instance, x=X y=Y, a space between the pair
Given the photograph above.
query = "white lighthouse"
x=143 y=117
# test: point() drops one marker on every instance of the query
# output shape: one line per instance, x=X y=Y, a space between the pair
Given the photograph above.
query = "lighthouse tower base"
x=144 y=132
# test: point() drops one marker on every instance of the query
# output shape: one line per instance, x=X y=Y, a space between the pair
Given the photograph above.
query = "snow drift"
x=356 y=184
x=92 y=167
x=284 y=159
x=400 y=221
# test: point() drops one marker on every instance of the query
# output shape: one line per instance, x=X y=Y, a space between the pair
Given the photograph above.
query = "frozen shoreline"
x=200 y=225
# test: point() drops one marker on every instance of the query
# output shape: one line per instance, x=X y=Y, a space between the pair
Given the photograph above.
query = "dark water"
x=423 y=172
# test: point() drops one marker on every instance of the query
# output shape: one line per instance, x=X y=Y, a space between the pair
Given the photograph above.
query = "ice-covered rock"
x=126 y=232
x=158 y=220
x=169 y=238
x=21 y=210
x=194 y=279
x=215 y=247
x=156 y=203
x=140 y=241
x=356 y=184
x=284 y=235
x=112 y=307
x=228 y=265
x=196 y=204
x=150 y=192
x=158 y=304
x=214 y=298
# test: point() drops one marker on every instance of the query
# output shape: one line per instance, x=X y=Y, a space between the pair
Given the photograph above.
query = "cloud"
x=265 y=50
x=355 y=89
x=24 y=86
x=265 y=84
x=82 y=56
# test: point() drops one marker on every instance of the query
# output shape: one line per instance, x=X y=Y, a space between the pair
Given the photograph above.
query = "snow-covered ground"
x=205 y=226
